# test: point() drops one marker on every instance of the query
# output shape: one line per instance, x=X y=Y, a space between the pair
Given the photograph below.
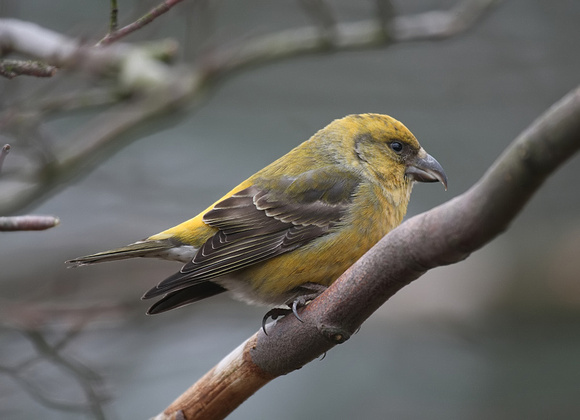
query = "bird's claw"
x=298 y=303
x=276 y=313
x=313 y=290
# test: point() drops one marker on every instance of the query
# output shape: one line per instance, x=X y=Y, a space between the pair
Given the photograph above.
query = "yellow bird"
x=290 y=230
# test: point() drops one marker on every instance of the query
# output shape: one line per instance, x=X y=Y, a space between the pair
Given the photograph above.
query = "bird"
x=286 y=233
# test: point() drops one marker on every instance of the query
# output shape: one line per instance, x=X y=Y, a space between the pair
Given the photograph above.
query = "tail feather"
x=185 y=296
x=147 y=248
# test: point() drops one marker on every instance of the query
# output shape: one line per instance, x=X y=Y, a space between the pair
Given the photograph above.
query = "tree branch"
x=148 y=79
x=55 y=49
x=371 y=33
x=30 y=222
x=156 y=88
x=51 y=353
x=116 y=34
x=13 y=68
x=444 y=235
x=18 y=223
x=59 y=51
x=101 y=135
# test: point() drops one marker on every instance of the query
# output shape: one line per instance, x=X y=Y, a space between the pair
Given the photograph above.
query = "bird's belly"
x=276 y=281
x=323 y=260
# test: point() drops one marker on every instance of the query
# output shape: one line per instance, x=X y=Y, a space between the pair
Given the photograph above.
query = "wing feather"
x=263 y=221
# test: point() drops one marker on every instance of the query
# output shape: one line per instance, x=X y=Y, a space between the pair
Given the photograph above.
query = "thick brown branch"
x=442 y=236
x=220 y=391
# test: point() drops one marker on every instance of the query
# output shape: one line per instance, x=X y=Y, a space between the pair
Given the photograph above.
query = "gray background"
x=496 y=336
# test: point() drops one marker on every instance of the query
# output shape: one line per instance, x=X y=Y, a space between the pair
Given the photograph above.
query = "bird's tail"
x=163 y=248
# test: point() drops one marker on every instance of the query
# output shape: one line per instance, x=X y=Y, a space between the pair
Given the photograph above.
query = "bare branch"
x=56 y=49
x=205 y=399
x=153 y=14
x=138 y=71
x=160 y=89
x=109 y=128
x=19 y=223
x=52 y=353
x=30 y=222
x=441 y=236
x=13 y=68
x=435 y=25
x=36 y=393
x=86 y=377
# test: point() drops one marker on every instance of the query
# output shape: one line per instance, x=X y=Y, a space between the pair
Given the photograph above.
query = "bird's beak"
x=424 y=168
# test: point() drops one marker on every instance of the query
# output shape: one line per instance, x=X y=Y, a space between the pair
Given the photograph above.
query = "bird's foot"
x=312 y=291
x=274 y=313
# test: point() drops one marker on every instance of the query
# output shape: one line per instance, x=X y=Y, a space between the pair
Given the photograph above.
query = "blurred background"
x=496 y=336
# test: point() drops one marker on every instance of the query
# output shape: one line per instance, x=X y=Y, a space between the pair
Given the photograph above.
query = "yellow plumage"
x=292 y=228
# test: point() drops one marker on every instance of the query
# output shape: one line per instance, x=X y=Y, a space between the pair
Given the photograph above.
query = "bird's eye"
x=397 y=147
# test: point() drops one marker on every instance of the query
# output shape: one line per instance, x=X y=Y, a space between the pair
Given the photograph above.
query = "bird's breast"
x=371 y=216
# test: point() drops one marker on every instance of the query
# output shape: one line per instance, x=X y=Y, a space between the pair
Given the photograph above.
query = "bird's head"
x=386 y=147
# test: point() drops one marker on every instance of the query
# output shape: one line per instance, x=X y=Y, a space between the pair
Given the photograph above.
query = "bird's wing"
x=266 y=220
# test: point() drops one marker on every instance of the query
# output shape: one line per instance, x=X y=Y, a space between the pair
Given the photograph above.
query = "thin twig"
x=87 y=378
x=46 y=352
x=139 y=23
x=31 y=387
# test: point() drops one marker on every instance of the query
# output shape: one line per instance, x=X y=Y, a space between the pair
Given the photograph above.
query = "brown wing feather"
x=258 y=223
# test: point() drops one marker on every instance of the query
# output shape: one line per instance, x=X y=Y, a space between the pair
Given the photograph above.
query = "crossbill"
x=290 y=230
